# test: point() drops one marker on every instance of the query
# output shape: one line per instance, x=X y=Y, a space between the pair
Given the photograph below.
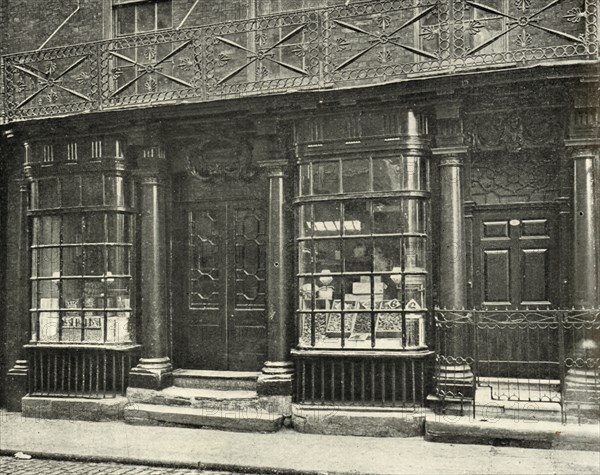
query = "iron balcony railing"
x=359 y=44
x=535 y=356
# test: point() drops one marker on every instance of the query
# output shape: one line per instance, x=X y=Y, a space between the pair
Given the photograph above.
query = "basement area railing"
x=537 y=356
x=380 y=379
x=82 y=371
x=358 y=44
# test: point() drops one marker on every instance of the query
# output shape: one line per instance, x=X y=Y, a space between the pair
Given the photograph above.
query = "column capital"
x=275 y=168
x=583 y=147
x=450 y=154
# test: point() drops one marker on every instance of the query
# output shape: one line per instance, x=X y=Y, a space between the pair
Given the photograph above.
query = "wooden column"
x=585 y=226
x=454 y=377
x=276 y=377
x=17 y=323
x=583 y=146
x=154 y=370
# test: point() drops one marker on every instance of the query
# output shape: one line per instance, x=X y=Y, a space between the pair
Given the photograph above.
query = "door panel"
x=220 y=270
x=515 y=258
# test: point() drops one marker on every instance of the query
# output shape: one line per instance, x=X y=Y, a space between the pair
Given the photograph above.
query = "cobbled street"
x=13 y=466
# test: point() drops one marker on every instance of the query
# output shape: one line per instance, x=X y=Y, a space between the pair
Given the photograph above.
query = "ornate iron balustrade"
x=522 y=355
x=359 y=44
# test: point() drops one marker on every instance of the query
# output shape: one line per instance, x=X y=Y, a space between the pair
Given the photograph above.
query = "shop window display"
x=81 y=262
x=362 y=249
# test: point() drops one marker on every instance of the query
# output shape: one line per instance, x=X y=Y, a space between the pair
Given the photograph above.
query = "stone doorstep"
x=208 y=399
x=219 y=380
x=81 y=409
x=524 y=433
x=244 y=419
x=359 y=421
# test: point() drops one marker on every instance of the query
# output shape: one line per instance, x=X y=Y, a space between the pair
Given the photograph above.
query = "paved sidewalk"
x=284 y=451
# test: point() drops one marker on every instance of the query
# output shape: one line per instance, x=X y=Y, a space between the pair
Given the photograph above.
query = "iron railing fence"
x=378 y=380
x=81 y=372
x=529 y=355
x=359 y=44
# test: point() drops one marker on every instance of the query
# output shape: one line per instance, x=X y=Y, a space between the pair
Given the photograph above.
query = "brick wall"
x=31 y=22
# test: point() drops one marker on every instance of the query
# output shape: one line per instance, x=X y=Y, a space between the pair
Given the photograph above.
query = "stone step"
x=220 y=380
x=151 y=414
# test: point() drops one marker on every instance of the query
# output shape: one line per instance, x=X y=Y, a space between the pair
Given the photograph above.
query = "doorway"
x=220 y=288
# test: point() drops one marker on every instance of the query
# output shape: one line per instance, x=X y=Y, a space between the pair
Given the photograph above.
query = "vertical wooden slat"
x=303 y=381
x=383 y=382
x=104 y=373
x=62 y=373
x=372 y=381
x=393 y=382
x=342 y=380
x=47 y=371
x=297 y=395
x=83 y=373
x=322 y=366
x=97 y=372
x=332 y=380
x=55 y=371
x=422 y=383
x=352 y=386
x=362 y=381
x=35 y=370
x=76 y=379
x=114 y=374
x=123 y=375
x=403 y=383
x=69 y=373
x=312 y=381
x=414 y=383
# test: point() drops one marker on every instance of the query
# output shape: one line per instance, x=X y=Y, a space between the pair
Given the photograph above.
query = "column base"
x=152 y=373
x=276 y=379
x=455 y=381
x=16 y=385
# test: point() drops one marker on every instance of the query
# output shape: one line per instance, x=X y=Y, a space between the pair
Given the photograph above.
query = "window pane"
x=328 y=255
x=94 y=228
x=387 y=254
x=49 y=230
x=94 y=260
x=414 y=213
x=93 y=292
x=145 y=16
x=125 y=20
x=327 y=219
x=92 y=190
x=305 y=257
x=114 y=192
x=72 y=292
x=326 y=178
x=118 y=260
x=72 y=228
x=304 y=180
x=305 y=220
x=356 y=175
x=70 y=189
x=388 y=217
x=49 y=262
x=48 y=193
x=47 y=294
x=412 y=173
x=118 y=228
x=357 y=219
x=357 y=255
x=415 y=253
x=72 y=261
x=164 y=15
x=118 y=293
x=387 y=174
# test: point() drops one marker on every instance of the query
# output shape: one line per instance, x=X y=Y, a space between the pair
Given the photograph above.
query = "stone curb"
x=217 y=467
x=539 y=435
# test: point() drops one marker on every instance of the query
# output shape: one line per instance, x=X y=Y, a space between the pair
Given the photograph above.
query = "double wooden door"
x=219 y=298
x=516 y=260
